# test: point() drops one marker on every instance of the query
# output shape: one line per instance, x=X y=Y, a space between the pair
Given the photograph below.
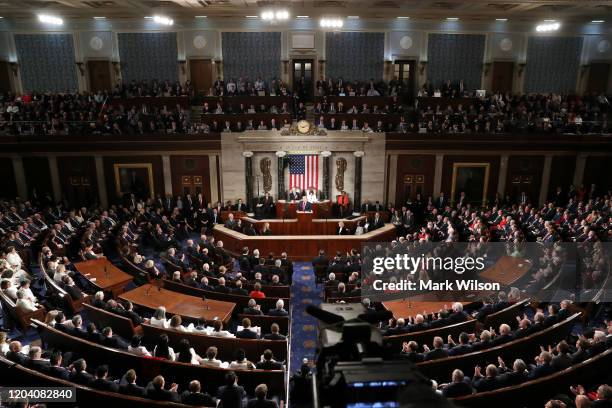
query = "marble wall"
x=341 y=144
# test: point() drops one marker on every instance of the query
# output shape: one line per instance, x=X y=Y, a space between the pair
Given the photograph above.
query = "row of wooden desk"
x=247 y=101
x=190 y=308
x=243 y=118
x=304 y=224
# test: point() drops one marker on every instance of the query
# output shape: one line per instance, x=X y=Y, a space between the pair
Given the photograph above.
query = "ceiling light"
x=597 y=21
x=252 y=16
x=353 y=17
x=331 y=23
x=163 y=20
x=271 y=15
x=99 y=18
x=45 y=18
x=403 y=18
x=548 y=27
x=549 y=21
x=201 y=16
x=501 y=19
x=282 y=15
x=302 y=16
x=452 y=18
x=148 y=18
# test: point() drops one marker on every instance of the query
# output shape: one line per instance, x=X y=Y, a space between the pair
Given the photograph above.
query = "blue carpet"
x=303 y=327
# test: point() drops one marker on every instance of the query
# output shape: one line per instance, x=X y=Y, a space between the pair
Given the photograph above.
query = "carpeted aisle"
x=303 y=326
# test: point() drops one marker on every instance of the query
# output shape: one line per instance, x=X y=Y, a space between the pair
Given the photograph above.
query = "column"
x=326 y=159
x=280 y=177
x=579 y=174
x=545 y=178
x=167 y=170
x=20 y=179
x=248 y=172
x=214 y=186
x=503 y=175
x=437 y=186
x=55 y=179
x=101 y=180
x=392 y=180
x=357 y=199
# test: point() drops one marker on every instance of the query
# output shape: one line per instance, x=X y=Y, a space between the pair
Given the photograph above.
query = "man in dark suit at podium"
x=304 y=205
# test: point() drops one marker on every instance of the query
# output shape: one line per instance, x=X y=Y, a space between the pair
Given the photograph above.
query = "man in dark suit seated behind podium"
x=304 y=205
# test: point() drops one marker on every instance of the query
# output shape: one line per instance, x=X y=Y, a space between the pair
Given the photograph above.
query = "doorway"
x=5 y=76
x=404 y=72
x=200 y=71
x=302 y=76
x=503 y=72
x=413 y=185
x=99 y=75
x=598 y=77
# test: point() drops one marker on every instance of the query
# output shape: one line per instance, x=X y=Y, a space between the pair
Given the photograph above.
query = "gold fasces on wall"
x=340 y=169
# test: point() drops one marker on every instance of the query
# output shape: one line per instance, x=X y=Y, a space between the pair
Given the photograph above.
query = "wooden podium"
x=288 y=209
x=304 y=222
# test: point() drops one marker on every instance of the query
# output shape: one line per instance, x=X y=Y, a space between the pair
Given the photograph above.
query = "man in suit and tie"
x=246 y=332
x=441 y=201
x=168 y=203
x=376 y=223
x=231 y=394
x=267 y=204
x=230 y=223
x=341 y=230
x=214 y=219
x=295 y=194
x=156 y=390
x=304 y=205
x=260 y=400
x=240 y=206
x=130 y=387
x=200 y=203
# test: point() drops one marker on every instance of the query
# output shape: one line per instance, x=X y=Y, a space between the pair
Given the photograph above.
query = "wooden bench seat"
x=525 y=347
x=536 y=392
x=121 y=325
x=147 y=368
x=226 y=346
x=16 y=375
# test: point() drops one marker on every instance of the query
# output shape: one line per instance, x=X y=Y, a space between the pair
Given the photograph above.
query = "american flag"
x=304 y=171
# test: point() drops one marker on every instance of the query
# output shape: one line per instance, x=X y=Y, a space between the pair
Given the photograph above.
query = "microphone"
x=323 y=315
x=205 y=303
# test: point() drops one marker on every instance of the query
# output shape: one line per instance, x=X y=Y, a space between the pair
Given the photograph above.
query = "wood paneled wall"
x=38 y=176
x=191 y=168
x=8 y=186
x=78 y=179
x=414 y=165
x=524 y=175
